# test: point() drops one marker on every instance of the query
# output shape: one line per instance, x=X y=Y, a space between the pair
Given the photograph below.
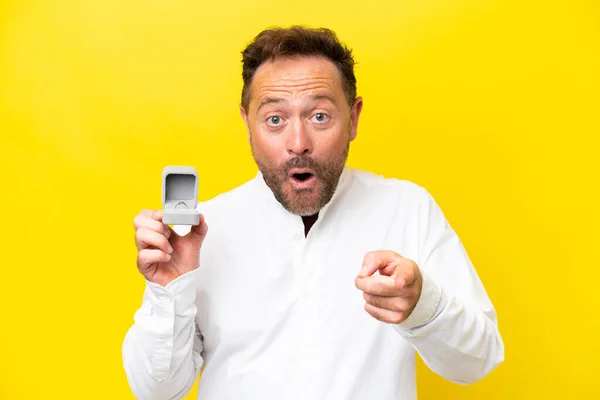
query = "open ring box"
x=180 y=196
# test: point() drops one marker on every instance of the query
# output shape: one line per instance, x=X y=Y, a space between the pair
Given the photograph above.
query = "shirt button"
x=297 y=237
x=162 y=297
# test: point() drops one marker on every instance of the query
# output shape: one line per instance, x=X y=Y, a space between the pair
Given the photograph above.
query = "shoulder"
x=408 y=204
x=236 y=200
x=382 y=186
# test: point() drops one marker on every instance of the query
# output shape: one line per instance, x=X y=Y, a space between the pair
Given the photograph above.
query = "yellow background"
x=491 y=105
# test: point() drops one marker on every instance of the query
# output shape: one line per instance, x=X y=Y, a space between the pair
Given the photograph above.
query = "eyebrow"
x=268 y=100
x=323 y=97
x=275 y=100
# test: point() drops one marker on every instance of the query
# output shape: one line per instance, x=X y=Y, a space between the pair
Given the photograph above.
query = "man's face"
x=300 y=127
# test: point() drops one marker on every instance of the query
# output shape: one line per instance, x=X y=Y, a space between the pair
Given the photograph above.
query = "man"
x=315 y=280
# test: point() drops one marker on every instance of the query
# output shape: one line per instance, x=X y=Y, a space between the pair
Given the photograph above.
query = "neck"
x=309 y=221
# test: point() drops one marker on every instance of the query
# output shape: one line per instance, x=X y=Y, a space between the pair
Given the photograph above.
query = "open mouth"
x=302 y=178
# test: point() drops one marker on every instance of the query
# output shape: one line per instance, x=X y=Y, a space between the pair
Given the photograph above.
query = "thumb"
x=198 y=232
x=403 y=274
x=195 y=236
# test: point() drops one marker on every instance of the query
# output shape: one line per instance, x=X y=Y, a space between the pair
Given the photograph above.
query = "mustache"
x=302 y=162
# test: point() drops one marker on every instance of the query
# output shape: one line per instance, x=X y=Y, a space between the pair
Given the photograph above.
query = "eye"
x=274 y=120
x=320 y=117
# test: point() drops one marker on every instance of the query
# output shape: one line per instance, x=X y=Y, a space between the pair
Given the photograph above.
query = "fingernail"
x=170 y=249
x=168 y=257
x=363 y=270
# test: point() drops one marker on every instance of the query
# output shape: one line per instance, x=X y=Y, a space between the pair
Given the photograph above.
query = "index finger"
x=375 y=260
x=154 y=214
x=141 y=221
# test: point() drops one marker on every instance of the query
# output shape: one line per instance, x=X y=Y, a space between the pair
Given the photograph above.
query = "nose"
x=299 y=141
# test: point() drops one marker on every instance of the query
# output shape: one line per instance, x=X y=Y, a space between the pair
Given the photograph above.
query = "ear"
x=354 y=115
x=245 y=118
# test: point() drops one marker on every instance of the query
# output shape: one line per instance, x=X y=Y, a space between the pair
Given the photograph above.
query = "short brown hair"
x=297 y=41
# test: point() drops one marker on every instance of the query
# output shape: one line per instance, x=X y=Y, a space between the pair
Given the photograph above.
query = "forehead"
x=295 y=76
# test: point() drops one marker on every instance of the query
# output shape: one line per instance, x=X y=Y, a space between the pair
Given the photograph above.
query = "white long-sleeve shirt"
x=272 y=314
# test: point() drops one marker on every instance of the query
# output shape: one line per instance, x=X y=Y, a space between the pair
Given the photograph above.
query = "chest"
x=270 y=287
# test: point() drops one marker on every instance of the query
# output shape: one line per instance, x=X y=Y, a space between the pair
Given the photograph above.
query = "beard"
x=303 y=202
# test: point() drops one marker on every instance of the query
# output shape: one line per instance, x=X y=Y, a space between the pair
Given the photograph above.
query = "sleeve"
x=453 y=325
x=162 y=350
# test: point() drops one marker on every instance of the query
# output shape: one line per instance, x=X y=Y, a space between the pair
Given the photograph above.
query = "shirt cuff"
x=425 y=309
x=180 y=293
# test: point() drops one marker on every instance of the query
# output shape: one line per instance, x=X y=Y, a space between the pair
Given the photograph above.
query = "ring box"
x=180 y=195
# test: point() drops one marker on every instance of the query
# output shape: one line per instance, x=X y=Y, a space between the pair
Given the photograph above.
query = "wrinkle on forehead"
x=295 y=91
x=296 y=78
x=297 y=84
